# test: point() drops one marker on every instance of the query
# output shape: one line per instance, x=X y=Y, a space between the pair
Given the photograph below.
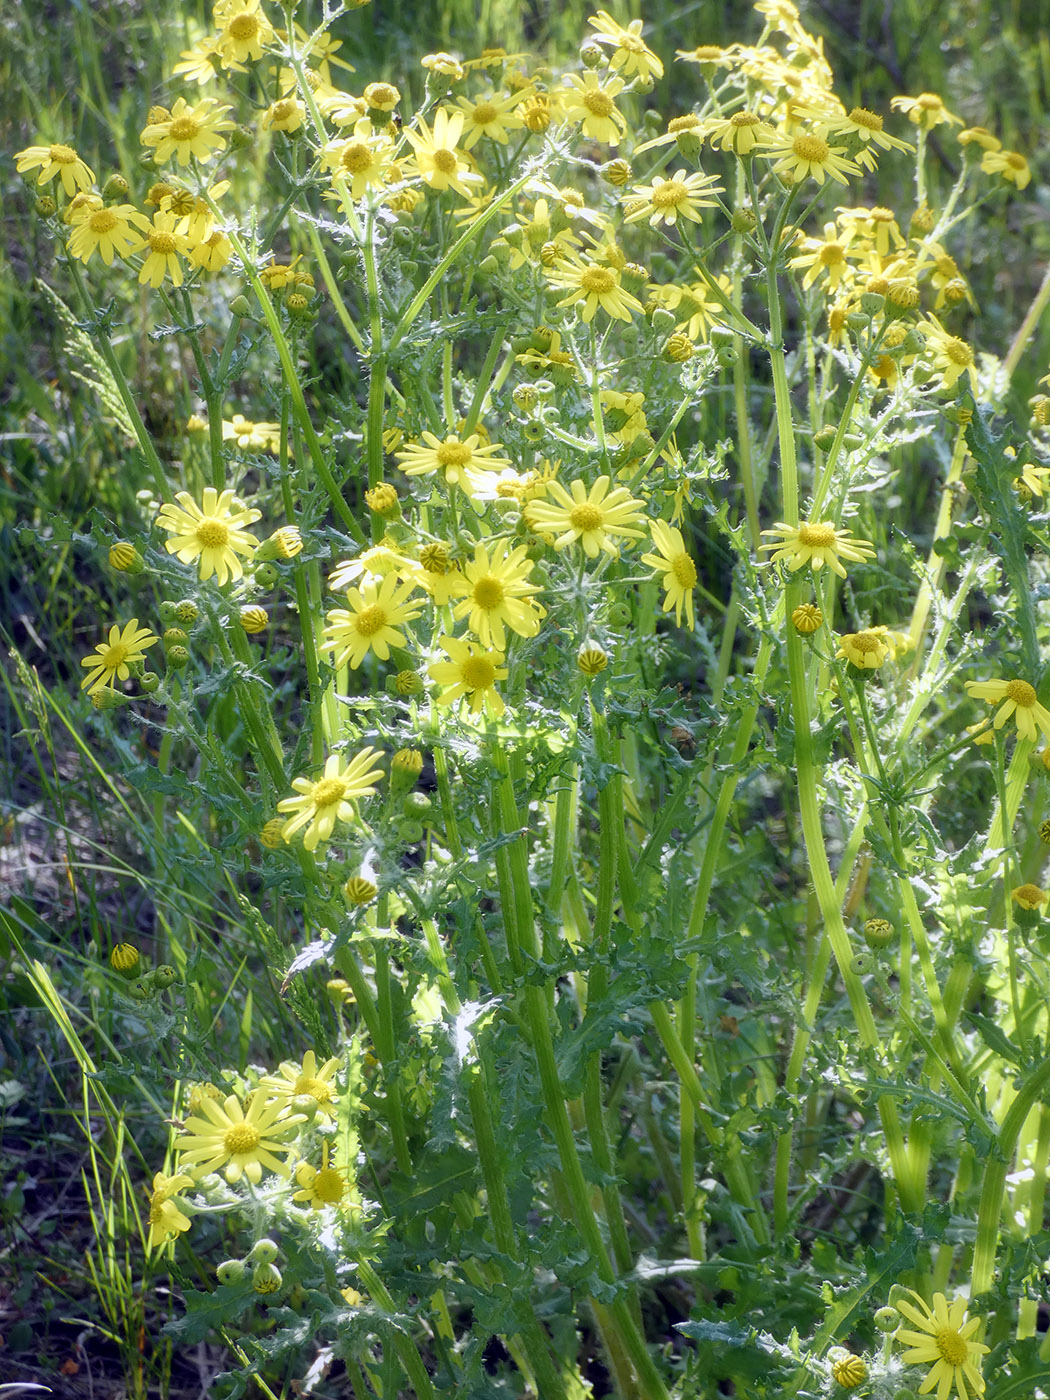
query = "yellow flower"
x=438 y=161
x=362 y=160
x=631 y=55
x=1029 y=897
x=665 y=200
x=211 y=531
x=591 y=517
x=807 y=618
x=945 y=1341
x=590 y=101
x=1020 y=700
x=165 y=244
x=459 y=461
x=865 y=650
x=58 y=160
x=595 y=285
x=110 y=659
x=470 y=675
x=927 y=110
x=243 y=1143
x=166 y=1218
x=195 y=64
x=106 y=230
x=320 y=1188
x=678 y=569
x=498 y=595
x=490 y=116
x=332 y=797
x=695 y=304
x=188 y=132
x=740 y=133
x=245 y=31
x=1011 y=165
x=251 y=437
x=952 y=356
x=827 y=255
x=294 y=1080
x=286 y=114
x=371 y=623
x=816 y=542
x=807 y=154
x=370 y=566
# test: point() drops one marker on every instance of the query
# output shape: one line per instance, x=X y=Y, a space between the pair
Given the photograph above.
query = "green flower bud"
x=887 y=1319
x=125 y=558
x=263 y=1251
x=230 y=1271
x=164 y=976
x=177 y=657
x=125 y=959
x=266 y=1278
x=175 y=637
x=417 y=805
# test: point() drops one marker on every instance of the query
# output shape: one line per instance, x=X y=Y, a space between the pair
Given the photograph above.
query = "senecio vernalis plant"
x=609 y=673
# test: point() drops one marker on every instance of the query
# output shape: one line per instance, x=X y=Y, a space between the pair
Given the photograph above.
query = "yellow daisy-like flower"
x=166 y=1212
x=361 y=161
x=594 y=518
x=1029 y=897
x=694 y=303
x=59 y=160
x=816 y=542
x=664 y=201
x=196 y=64
x=1019 y=699
x=459 y=461
x=165 y=245
x=806 y=155
x=241 y=1142
x=251 y=436
x=286 y=114
x=188 y=132
x=110 y=659
x=1011 y=165
x=498 y=595
x=106 y=230
x=590 y=101
x=927 y=110
x=319 y=805
x=944 y=1340
x=951 y=355
x=595 y=285
x=865 y=650
x=212 y=531
x=440 y=164
x=678 y=569
x=370 y=566
x=371 y=623
x=294 y=1080
x=825 y=256
x=319 y=1187
x=739 y=133
x=470 y=675
x=245 y=32
x=491 y=116
x=631 y=55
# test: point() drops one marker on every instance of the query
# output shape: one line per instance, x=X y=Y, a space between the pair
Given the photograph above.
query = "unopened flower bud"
x=887 y=1319
x=149 y=682
x=339 y=991
x=878 y=932
x=591 y=55
x=382 y=499
x=592 y=660
x=46 y=206
x=358 y=890
x=125 y=959
x=417 y=804
x=678 y=348
x=270 y=835
x=304 y=1106
x=405 y=768
x=263 y=1251
x=242 y=138
x=175 y=637
x=266 y=1278
x=125 y=558
x=265 y=575
x=617 y=172
x=241 y=306
x=824 y=437
x=743 y=221
x=164 y=976
x=525 y=396
x=408 y=683
x=663 y=320
x=107 y=699
x=849 y=1371
x=254 y=619
x=230 y=1271
x=807 y=618
x=177 y=657
x=116 y=187
x=871 y=303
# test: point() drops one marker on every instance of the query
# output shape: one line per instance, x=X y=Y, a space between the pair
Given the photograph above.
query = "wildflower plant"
x=600 y=838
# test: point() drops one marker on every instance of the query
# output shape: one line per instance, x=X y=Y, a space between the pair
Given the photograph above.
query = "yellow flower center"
x=598 y=103
x=478 y=673
x=929 y=102
x=865 y=642
x=684 y=570
x=211 y=533
x=484 y=113
x=62 y=155
x=184 y=129
x=381 y=96
x=371 y=620
x=327 y=793
x=243 y=27
x=951 y=1346
x=958 y=351
x=115 y=655
x=631 y=43
x=328 y=1186
x=708 y=52
x=445 y=161
x=687 y=123
x=817 y=536
x=1015 y=160
x=284 y=109
x=453 y=453
x=1022 y=694
x=316 y=1088
x=947 y=266
x=1029 y=896
x=356 y=157
x=739 y=120
x=597 y=279
x=488 y=592
x=586 y=517
x=164 y=243
x=669 y=193
x=811 y=148
x=831 y=254
x=870 y=121
x=242 y=1137
x=103 y=221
